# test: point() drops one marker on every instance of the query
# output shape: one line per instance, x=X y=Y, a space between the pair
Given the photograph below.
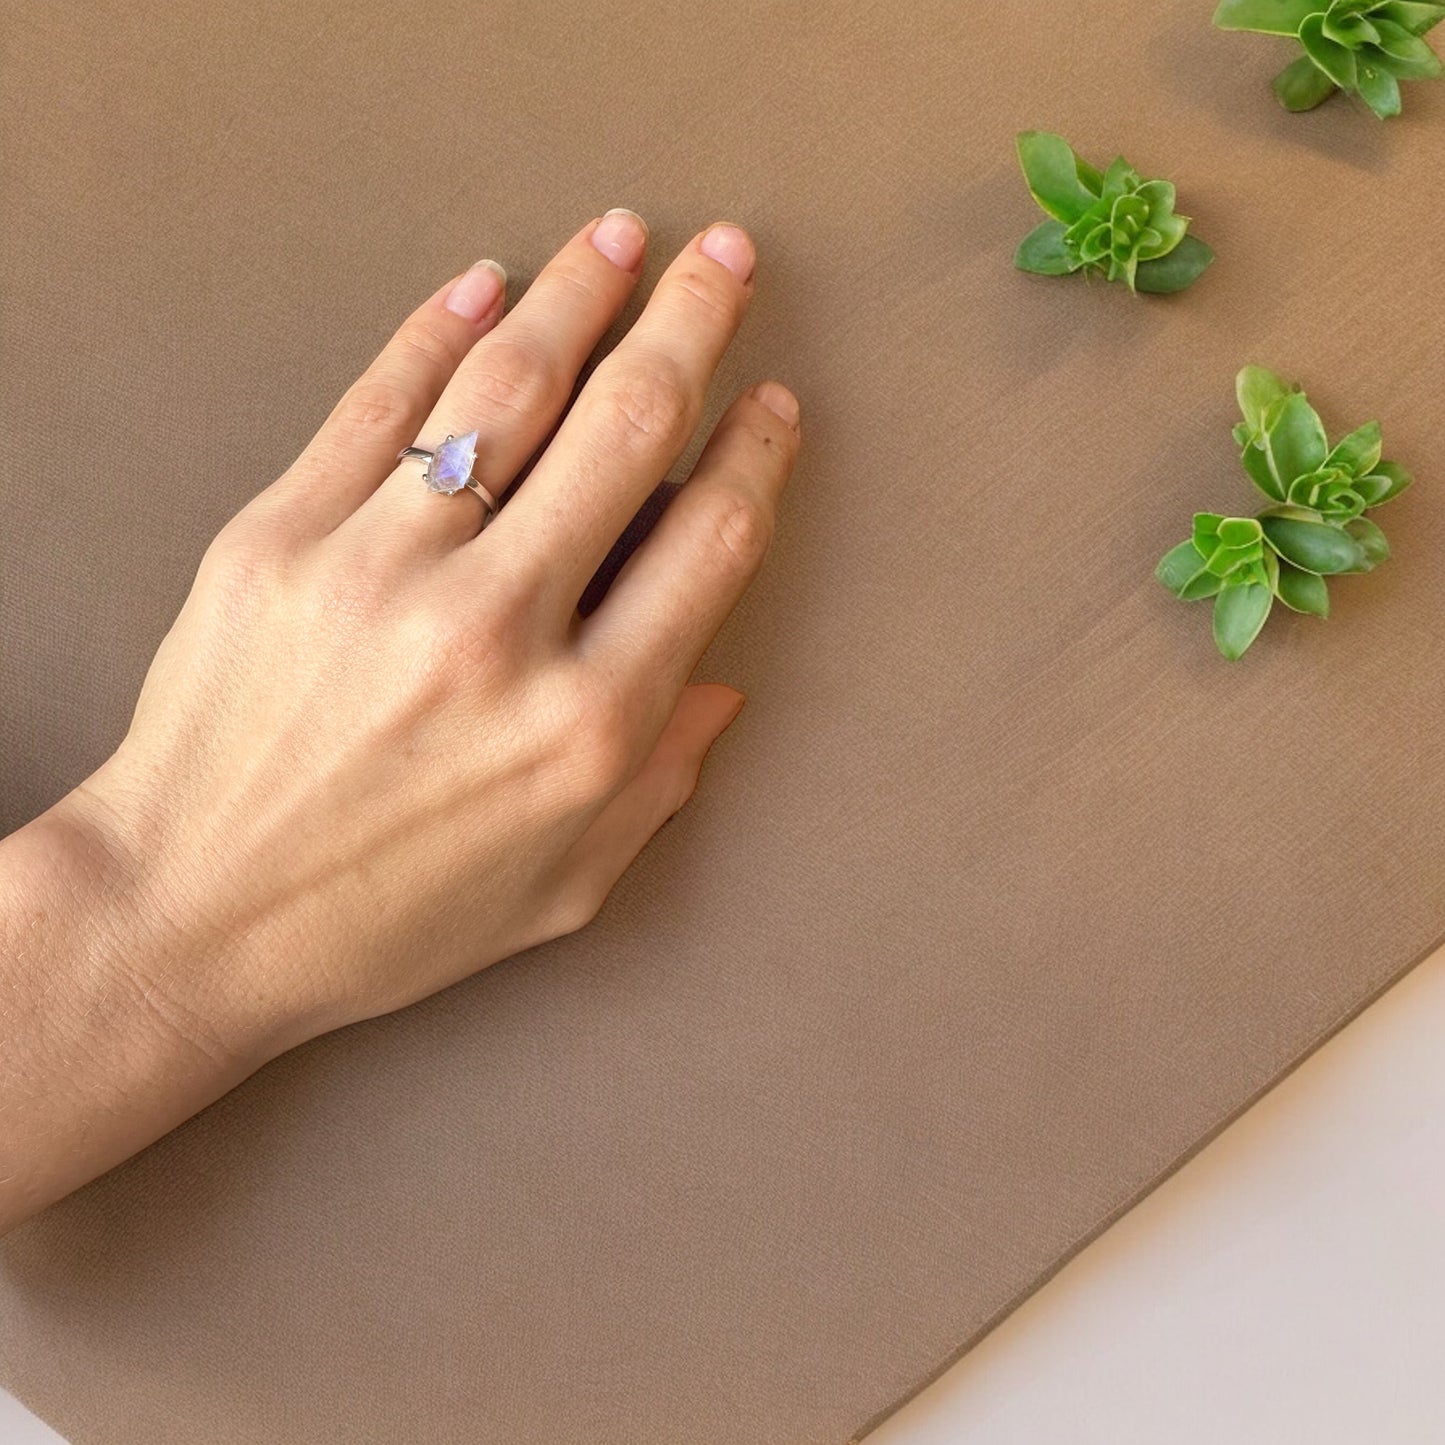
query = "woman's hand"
x=380 y=749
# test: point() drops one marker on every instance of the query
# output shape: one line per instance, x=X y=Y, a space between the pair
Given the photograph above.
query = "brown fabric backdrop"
x=1005 y=893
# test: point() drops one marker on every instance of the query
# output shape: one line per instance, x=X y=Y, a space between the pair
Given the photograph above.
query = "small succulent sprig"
x=1113 y=222
x=1363 y=47
x=1314 y=528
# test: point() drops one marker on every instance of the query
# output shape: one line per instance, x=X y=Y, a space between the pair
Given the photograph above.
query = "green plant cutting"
x=1363 y=47
x=1314 y=528
x=1113 y=222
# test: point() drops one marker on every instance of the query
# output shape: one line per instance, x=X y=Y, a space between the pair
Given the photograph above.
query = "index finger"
x=632 y=421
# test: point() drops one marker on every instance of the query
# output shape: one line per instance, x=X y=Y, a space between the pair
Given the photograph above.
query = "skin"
x=379 y=749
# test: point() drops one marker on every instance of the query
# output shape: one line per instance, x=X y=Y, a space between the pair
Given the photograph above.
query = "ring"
x=449 y=468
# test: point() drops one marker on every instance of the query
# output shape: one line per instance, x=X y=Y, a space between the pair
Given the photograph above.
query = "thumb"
x=658 y=790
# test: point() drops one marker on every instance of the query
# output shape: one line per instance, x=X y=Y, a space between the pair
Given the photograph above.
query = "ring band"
x=449 y=468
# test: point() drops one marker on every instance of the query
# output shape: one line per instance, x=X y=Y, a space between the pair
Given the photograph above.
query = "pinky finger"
x=678 y=588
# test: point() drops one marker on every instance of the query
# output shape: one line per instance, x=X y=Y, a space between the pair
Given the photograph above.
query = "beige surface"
x=1007 y=893
x=1282 y=1289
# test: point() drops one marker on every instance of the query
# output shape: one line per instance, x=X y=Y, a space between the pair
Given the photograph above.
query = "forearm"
x=109 y=1035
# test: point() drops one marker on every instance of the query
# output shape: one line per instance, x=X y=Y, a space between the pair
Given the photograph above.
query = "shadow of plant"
x=1046 y=320
x=1239 y=95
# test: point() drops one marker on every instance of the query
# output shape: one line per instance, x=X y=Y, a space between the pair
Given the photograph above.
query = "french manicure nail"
x=621 y=236
x=478 y=292
x=732 y=247
x=778 y=400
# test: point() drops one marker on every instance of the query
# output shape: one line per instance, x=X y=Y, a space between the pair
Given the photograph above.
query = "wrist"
x=134 y=945
x=108 y=1041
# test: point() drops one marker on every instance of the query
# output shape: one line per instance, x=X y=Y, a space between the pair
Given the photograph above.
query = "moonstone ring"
x=449 y=468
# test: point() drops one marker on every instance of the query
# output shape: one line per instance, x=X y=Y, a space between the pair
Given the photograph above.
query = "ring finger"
x=511 y=387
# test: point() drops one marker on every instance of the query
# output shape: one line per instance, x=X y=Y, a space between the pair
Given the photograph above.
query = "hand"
x=379 y=744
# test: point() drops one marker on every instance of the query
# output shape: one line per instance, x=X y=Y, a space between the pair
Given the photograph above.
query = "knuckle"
x=703 y=296
x=243 y=558
x=420 y=346
x=652 y=406
x=601 y=760
x=576 y=908
x=341 y=601
x=594 y=731
x=569 y=283
x=514 y=377
x=740 y=526
x=451 y=650
x=378 y=404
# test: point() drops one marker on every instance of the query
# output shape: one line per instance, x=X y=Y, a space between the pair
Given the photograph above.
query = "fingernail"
x=477 y=293
x=621 y=236
x=732 y=247
x=779 y=400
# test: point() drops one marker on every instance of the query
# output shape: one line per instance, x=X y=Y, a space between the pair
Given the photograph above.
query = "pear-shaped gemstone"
x=451 y=465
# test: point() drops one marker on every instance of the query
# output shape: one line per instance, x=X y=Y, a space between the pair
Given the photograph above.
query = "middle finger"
x=512 y=386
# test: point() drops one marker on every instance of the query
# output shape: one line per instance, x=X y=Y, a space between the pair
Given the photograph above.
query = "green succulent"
x=1112 y=222
x=1231 y=560
x=1364 y=47
x=1233 y=551
x=1285 y=450
x=1314 y=529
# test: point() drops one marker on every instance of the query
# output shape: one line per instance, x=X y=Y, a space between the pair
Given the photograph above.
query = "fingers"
x=659 y=789
x=680 y=585
x=357 y=444
x=632 y=420
x=513 y=385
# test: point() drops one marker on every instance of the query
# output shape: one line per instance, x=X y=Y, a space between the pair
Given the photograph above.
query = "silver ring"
x=449 y=468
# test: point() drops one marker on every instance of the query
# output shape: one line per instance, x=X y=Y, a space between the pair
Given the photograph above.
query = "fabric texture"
x=1005 y=892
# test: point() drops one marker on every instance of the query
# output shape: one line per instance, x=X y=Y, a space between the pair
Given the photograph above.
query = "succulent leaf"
x=1309 y=542
x=1397 y=477
x=1256 y=463
x=1043 y=252
x=1336 y=60
x=1358 y=453
x=1239 y=616
x=1405 y=55
x=1302 y=85
x=1052 y=172
x=1266 y=17
x=1179 y=566
x=1416 y=18
x=1258 y=390
x=1374 y=547
x=1294 y=439
x=1351 y=31
x=1380 y=91
x=1206 y=584
x=1180 y=267
x=1302 y=591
